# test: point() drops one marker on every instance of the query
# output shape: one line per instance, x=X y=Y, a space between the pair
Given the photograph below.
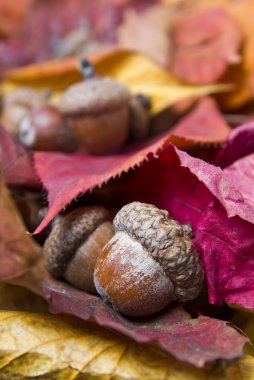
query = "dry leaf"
x=138 y=72
x=20 y=256
x=33 y=345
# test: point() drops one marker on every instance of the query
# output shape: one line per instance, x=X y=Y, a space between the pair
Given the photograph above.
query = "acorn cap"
x=94 y=96
x=169 y=244
x=27 y=97
x=68 y=234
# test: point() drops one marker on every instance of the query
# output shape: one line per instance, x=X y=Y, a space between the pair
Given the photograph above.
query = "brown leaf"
x=20 y=257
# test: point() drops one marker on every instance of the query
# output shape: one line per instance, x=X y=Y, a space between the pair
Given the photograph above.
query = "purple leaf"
x=241 y=175
x=240 y=143
x=200 y=194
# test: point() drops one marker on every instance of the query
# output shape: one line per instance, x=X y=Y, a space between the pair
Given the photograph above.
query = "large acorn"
x=149 y=262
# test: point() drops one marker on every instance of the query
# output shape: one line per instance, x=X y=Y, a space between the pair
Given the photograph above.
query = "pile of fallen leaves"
x=197 y=69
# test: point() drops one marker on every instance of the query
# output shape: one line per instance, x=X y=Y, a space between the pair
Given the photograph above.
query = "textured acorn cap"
x=27 y=97
x=68 y=234
x=94 y=96
x=168 y=242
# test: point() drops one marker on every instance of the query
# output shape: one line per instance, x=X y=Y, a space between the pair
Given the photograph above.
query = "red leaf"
x=190 y=189
x=20 y=256
x=16 y=163
x=195 y=341
x=205 y=122
x=240 y=143
x=200 y=194
x=227 y=251
x=205 y=43
x=241 y=175
x=67 y=176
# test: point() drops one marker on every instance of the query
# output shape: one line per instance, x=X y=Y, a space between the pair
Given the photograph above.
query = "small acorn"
x=149 y=262
x=18 y=104
x=139 y=117
x=45 y=129
x=74 y=243
x=97 y=110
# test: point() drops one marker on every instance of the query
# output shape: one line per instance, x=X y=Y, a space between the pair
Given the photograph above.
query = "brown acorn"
x=97 y=110
x=150 y=262
x=18 y=104
x=45 y=129
x=74 y=243
x=139 y=117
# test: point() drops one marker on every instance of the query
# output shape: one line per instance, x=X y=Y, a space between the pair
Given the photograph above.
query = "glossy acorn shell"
x=127 y=277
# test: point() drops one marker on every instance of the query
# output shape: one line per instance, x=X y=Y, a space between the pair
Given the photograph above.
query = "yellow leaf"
x=137 y=71
x=61 y=347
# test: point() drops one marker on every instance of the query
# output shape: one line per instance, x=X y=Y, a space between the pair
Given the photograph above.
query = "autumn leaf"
x=205 y=123
x=195 y=341
x=241 y=75
x=12 y=17
x=67 y=176
x=61 y=347
x=16 y=163
x=204 y=44
x=20 y=256
x=240 y=143
x=149 y=33
x=138 y=72
x=198 y=193
x=192 y=190
x=241 y=175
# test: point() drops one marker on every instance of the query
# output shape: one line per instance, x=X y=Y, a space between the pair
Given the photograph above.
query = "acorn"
x=97 y=111
x=139 y=117
x=74 y=243
x=46 y=129
x=18 y=104
x=149 y=262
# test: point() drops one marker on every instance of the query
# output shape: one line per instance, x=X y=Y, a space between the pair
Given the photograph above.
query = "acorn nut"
x=148 y=263
x=139 y=117
x=97 y=110
x=74 y=243
x=45 y=129
x=17 y=105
